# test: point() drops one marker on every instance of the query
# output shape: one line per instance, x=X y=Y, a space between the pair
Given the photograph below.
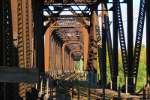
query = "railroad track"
x=72 y=89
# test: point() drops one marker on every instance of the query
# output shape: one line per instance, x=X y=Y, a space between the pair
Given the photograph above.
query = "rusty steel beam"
x=85 y=35
x=71 y=64
x=70 y=2
x=66 y=61
x=56 y=56
x=25 y=36
x=63 y=50
x=25 y=33
x=83 y=23
x=17 y=33
x=59 y=59
x=70 y=56
x=65 y=16
x=85 y=41
x=92 y=60
x=48 y=33
x=16 y=75
x=76 y=56
x=76 y=46
x=68 y=26
x=14 y=18
x=68 y=66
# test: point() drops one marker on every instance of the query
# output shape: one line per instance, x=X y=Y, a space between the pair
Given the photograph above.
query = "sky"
x=135 y=19
x=124 y=18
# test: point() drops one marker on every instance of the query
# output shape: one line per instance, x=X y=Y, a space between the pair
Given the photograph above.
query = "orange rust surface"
x=85 y=44
x=47 y=48
x=70 y=58
x=85 y=39
x=63 y=48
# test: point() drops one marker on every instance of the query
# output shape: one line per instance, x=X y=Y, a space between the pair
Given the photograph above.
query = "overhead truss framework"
x=84 y=10
x=85 y=2
x=71 y=29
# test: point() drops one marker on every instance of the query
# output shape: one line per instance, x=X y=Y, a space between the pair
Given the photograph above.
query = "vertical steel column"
x=93 y=42
x=102 y=59
x=29 y=33
x=70 y=61
x=102 y=54
x=21 y=24
x=73 y=67
x=39 y=35
x=115 y=44
x=148 y=40
x=66 y=61
x=65 y=58
x=64 y=67
x=60 y=58
x=7 y=38
x=14 y=31
x=55 y=55
x=2 y=85
x=130 y=44
x=85 y=38
x=25 y=33
x=1 y=26
x=7 y=90
x=68 y=65
x=51 y=53
x=7 y=48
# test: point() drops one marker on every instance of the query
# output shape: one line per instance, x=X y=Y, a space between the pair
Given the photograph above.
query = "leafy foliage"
x=141 y=80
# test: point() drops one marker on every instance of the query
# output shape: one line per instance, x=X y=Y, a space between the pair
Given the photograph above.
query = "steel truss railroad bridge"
x=45 y=38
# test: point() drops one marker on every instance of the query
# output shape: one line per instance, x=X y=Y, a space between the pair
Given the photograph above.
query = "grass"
x=141 y=79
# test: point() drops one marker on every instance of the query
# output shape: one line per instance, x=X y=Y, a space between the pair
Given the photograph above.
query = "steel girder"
x=130 y=45
x=72 y=1
x=15 y=14
x=25 y=33
x=47 y=48
x=77 y=2
x=92 y=58
x=148 y=40
x=25 y=39
x=7 y=49
x=47 y=41
x=63 y=50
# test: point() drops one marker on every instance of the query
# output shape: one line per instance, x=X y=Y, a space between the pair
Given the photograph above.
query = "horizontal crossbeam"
x=15 y=74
